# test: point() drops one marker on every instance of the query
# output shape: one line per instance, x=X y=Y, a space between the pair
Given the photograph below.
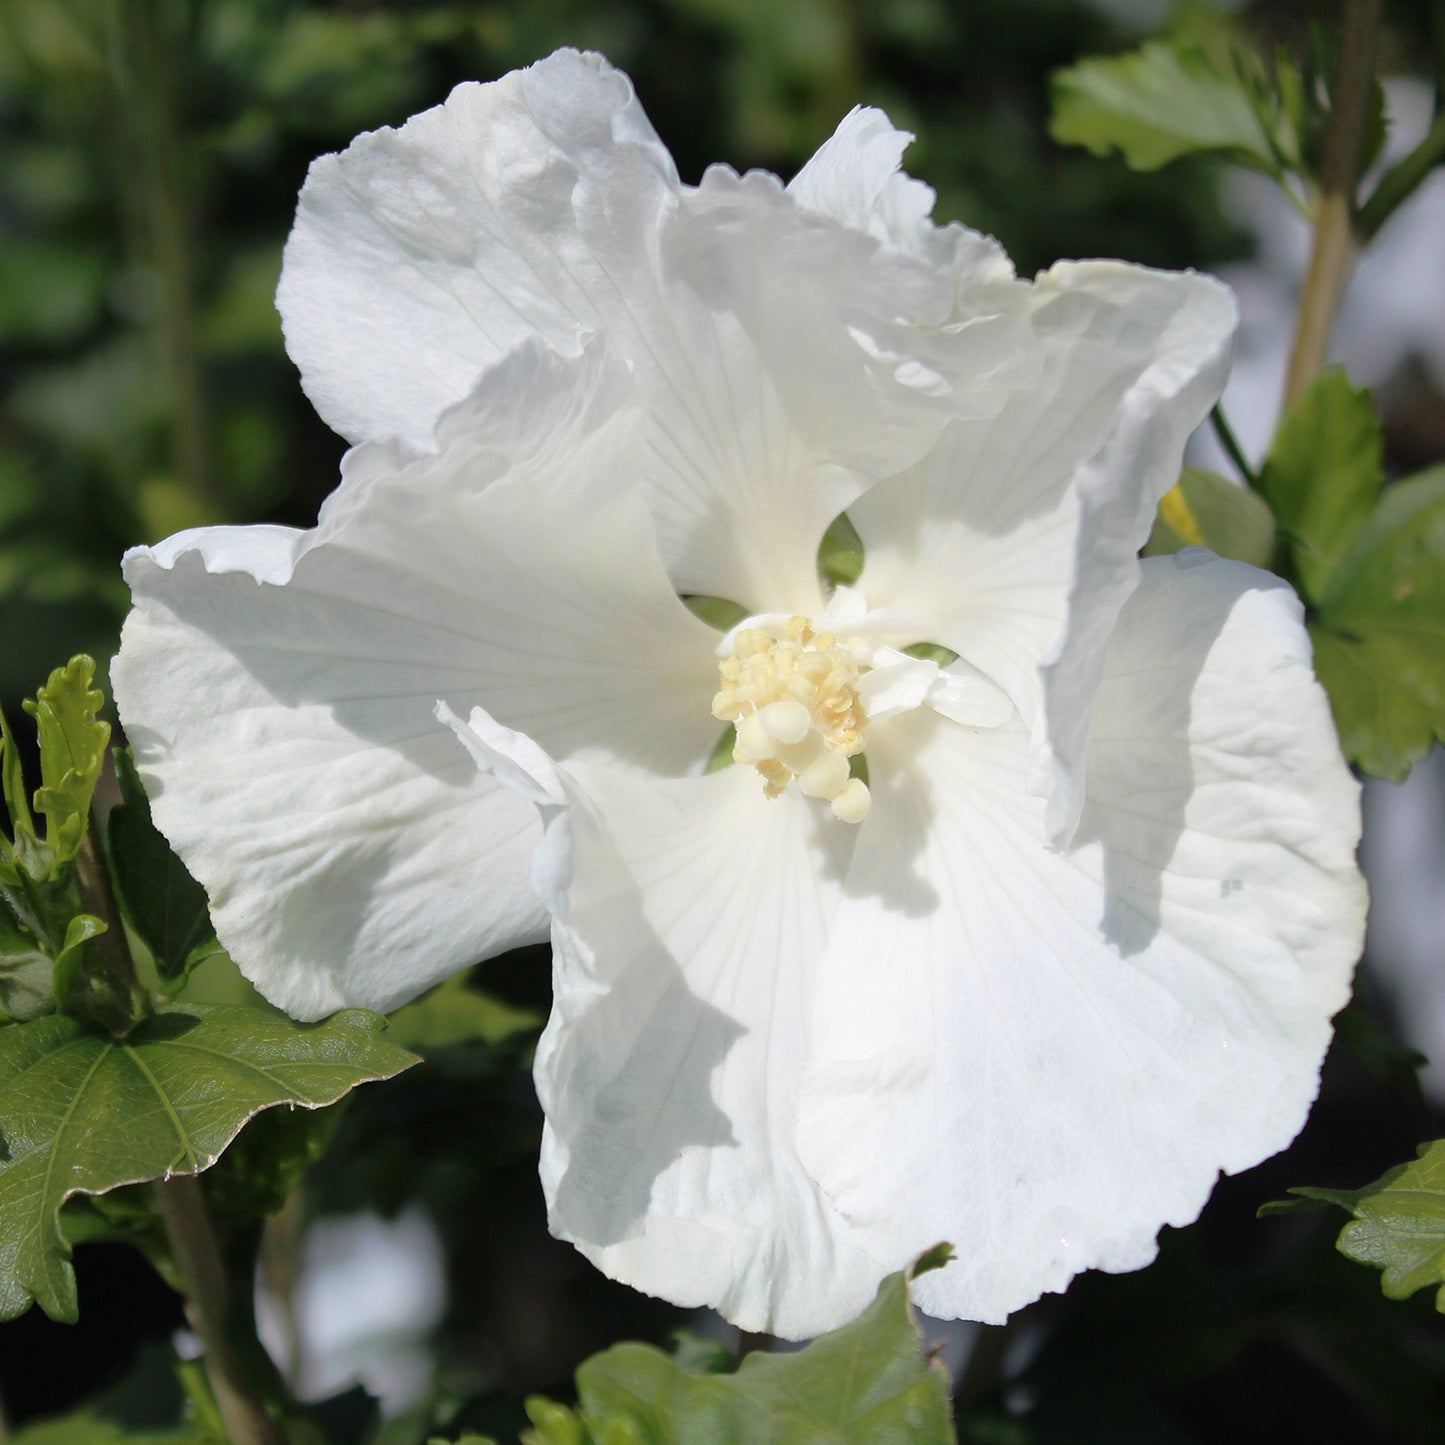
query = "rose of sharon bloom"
x=1070 y=948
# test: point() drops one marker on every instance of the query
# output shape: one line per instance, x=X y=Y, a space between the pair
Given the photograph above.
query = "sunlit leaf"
x=1323 y=475
x=83 y=1113
x=1163 y=101
x=1399 y=1224
x=1380 y=633
x=72 y=752
x=868 y=1381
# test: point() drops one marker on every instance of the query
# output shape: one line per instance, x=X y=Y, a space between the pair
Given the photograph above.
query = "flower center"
x=792 y=696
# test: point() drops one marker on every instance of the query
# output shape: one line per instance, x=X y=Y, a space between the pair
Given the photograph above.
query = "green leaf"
x=1399 y=1223
x=83 y=1113
x=453 y=1013
x=868 y=1381
x=1323 y=475
x=25 y=974
x=12 y=784
x=72 y=751
x=160 y=899
x=932 y=652
x=1204 y=509
x=1162 y=102
x=840 y=553
x=718 y=612
x=1380 y=633
x=78 y=932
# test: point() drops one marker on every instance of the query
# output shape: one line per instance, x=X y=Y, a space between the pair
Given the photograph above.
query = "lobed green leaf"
x=1323 y=476
x=82 y=1113
x=1399 y=1223
x=868 y=1380
x=1165 y=101
x=1380 y=631
x=72 y=752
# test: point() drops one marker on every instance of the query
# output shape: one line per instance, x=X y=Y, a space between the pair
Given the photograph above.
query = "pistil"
x=794 y=702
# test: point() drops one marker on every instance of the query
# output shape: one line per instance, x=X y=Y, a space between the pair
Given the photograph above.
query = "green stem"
x=116 y=999
x=1335 y=243
x=143 y=75
x=1232 y=449
x=279 y=1267
x=196 y=1250
x=1398 y=184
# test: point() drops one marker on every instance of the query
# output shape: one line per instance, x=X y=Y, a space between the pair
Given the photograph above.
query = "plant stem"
x=119 y=1001
x=1335 y=244
x=1232 y=449
x=197 y=1253
x=190 y=1232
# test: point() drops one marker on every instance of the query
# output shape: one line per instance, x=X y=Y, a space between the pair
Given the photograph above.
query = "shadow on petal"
x=626 y=1067
x=1140 y=774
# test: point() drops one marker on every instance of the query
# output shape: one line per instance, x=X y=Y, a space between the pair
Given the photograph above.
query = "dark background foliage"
x=150 y=155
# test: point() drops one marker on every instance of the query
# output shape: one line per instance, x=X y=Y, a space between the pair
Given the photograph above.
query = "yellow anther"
x=793 y=699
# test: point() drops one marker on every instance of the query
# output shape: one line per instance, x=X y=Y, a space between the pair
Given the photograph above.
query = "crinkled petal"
x=855 y=179
x=1058 y=1051
x=351 y=855
x=777 y=351
x=808 y=378
x=279 y=687
x=1021 y=530
x=670 y=1068
x=424 y=253
x=688 y=917
x=540 y=559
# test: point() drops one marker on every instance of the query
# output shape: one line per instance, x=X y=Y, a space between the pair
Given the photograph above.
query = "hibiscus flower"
x=1026 y=893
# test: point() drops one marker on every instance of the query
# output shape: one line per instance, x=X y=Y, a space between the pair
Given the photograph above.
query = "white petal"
x=669 y=1071
x=855 y=179
x=787 y=380
x=351 y=852
x=777 y=351
x=422 y=254
x=1058 y=1052
x=280 y=687
x=1021 y=530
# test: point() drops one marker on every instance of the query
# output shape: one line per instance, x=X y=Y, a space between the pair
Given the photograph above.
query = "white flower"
x=1082 y=951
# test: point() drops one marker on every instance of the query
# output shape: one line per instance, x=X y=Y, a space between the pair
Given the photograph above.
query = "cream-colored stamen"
x=794 y=701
